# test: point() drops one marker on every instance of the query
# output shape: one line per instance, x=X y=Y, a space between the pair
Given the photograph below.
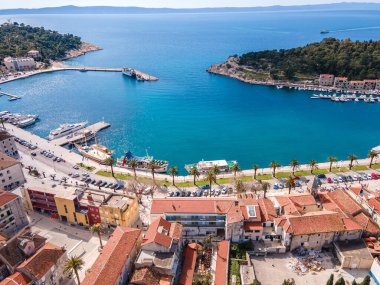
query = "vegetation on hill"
x=353 y=59
x=17 y=39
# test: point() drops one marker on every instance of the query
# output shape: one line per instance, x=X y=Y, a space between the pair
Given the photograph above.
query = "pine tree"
x=354 y=283
x=366 y=281
x=331 y=280
x=340 y=281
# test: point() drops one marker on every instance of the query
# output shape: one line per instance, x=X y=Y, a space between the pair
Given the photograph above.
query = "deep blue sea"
x=189 y=115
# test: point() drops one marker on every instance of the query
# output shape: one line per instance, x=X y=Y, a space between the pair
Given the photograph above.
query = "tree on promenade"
x=352 y=158
x=274 y=165
x=372 y=155
x=294 y=164
x=331 y=159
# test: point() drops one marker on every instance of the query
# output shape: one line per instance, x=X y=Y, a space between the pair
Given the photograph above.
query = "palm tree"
x=372 y=154
x=274 y=165
x=291 y=182
x=351 y=158
x=133 y=164
x=110 y=162
x=265 y=186
x=210 y=176
x=255 y=168
x=216 y=170
x=294 y=164
x=73 y=264
x=235 y=168
x=173 y=171
x=152 y=168
x=194 y=171
x=331 y=159
x=313 y=165
x=98 y=229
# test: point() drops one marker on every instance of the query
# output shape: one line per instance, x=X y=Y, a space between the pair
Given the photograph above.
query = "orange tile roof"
x=369 y=225
x=267 y=209
x=253 y=226
x=374 y=203
x=43 y=260
x=114 y=256
x=326 y=75
x=145 y=276
x=294 y=204
x=339 y=199
x=221 y=269
x=190 y=258
x=317 y=222
x=16 y=278
x=6 y=197
x=6 y=161
x=340 y=78
x=169 y=231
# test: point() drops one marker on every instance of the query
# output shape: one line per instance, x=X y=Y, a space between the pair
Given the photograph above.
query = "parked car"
x=199 y=193
x=171 y=194
x=76 y=167
x=329 y=180
x=375 y=175
x=188 y=194
x=321 y=176
x=217 y=192
x=275 y=186
x=204 y=187
x=33 y=154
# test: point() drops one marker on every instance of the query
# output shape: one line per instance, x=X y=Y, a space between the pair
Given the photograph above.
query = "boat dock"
x=11 y=97
x=93 y=128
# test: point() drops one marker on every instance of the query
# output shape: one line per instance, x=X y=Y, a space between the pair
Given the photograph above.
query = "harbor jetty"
x=93 y=128
x=138 y=75
x=11 y=97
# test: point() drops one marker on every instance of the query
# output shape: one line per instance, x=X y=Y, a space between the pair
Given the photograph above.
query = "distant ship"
x=325 y=31
x=204 y=166
x=130 y=72
x=65 y=129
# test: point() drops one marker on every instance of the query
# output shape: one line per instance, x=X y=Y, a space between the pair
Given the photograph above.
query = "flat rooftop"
x=118 y=201
x=354 y=248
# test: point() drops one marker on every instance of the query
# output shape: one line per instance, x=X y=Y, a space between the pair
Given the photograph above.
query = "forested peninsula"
x=17 y=39
x=356 y=60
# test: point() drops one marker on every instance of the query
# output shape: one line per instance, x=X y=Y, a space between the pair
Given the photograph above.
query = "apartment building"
x=11 y=175
x=19 y=63
x=160 y=253
x=326 y=79
x=81 y=207
x=115 y=263
x=356 y=85
x=341 y=83
x=12 y=213
x=8 y=145
x=46 y=266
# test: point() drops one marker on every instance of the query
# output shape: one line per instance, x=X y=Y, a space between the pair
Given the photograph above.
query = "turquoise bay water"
x=189 y=114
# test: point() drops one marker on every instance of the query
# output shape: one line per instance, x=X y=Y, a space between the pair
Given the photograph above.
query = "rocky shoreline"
x=84 y=48
x=232 y=69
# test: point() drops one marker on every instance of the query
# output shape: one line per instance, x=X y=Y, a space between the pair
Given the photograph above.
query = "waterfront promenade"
x=74 y=158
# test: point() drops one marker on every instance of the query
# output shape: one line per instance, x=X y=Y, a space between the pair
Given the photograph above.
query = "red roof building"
x=190 y=258
x=222 y=260
x=115 y=262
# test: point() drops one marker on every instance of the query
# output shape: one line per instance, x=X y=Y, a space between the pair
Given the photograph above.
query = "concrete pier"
x=93 y=128
x=11 y=97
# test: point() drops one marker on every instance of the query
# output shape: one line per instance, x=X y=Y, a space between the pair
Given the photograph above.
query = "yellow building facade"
x=69 y=210
x=119 y=211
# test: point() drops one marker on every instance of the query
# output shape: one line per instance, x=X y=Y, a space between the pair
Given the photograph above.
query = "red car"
x=375 y=175
x=329 y=180
x=296 y=177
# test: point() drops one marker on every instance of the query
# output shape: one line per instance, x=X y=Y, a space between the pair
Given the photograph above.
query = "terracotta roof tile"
x=6 y=161
x=253 y=226
x=190 y=258
x=6 y=197
x=267 y=209
x=43 y=260
x=162 y=232
x=110 y=263
x=16 y=278
x=221 y=269
x=145 y=276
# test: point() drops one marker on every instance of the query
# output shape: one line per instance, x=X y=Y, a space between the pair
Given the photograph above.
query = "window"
x=65 y=209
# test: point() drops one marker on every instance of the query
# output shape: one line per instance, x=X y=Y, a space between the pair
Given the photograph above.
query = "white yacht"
x=66 y=129
x=27 y=121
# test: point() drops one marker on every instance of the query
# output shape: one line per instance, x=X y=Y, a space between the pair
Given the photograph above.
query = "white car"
x=355 y=178
x=75 y=175
x=224 y=190
x=217 y=192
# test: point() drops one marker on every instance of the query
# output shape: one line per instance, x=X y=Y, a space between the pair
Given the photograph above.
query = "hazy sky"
x=163 y=3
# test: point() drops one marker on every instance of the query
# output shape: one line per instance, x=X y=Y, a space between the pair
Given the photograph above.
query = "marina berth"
x=19 y=120
x=143 y=162
x=204 y=166
x=95 y=152
x=81 y=136
x=66 y=129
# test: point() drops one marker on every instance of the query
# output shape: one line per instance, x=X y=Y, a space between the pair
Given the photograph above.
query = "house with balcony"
x=341 y=83
x=326 y=79
x=8 y=145
x=161 y=250
x=11 y=175
x=12 y=213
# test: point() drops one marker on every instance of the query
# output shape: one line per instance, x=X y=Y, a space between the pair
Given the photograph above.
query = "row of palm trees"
x=213 y=172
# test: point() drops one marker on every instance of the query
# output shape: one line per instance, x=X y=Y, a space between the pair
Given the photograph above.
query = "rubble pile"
x=304 y=261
